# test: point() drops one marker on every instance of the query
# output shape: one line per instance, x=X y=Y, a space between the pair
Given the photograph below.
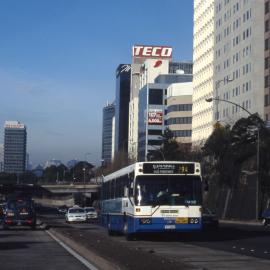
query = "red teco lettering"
x=166 y=52
x=137 y=50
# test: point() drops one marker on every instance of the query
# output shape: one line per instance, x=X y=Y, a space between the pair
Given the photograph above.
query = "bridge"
x=71 y=188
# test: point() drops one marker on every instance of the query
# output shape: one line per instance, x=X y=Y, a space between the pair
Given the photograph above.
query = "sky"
x=58 y=60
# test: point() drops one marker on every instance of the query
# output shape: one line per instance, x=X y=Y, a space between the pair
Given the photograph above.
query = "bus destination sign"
x=168 y=168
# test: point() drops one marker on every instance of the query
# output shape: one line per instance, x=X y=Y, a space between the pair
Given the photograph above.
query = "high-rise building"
x=147 y=63
x=108 y=115
x=122 y=107
x=14 y=147
x=1 y=157
x=229 y=62
x=203 y=69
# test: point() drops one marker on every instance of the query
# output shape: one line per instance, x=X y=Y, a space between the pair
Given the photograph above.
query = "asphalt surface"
x=23 y=249
x=230 y=247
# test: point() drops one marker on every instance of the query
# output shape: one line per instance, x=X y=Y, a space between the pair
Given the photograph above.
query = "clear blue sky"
x=58 y=61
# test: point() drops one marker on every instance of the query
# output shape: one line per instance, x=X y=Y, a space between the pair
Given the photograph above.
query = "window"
x=266 y=26
x=266 y=61
x=266 y=44
x=154 y=142
x=182 y=133
x=266 y=99
x=155 y=96
x=155 y=132
x=266 y=7
x=266 y=81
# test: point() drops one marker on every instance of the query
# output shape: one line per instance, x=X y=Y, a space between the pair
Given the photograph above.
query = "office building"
x=123 y=72
x=147 y=63
x=1 y=157
x=229 y=62
x=186 y=67
x=179 y=111
x=203 y=71
x=108 y=114
x=14 y=147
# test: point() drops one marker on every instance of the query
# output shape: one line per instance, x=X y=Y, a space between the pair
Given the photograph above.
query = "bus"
x=152 y=197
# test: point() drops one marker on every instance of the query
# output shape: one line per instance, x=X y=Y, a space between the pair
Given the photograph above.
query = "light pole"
x=258 y=148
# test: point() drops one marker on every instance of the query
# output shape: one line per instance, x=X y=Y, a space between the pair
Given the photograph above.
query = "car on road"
x=209 y=219
x=19 y=211
x=62 y=209
x=91 y=213
x=75 y=214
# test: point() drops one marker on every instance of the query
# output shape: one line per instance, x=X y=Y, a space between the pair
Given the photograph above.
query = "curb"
x=87 y=254
x=240 y=222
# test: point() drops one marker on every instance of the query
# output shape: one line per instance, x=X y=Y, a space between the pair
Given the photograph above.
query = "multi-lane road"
x=231 y=247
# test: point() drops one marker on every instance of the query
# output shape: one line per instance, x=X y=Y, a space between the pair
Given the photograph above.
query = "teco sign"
x=152 y=51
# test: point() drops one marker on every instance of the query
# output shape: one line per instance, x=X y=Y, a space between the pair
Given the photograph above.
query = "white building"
x=228 y=62
x=203 y=69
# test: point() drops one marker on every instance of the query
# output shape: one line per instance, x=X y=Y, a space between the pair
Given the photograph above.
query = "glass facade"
x=122 y=107
x=15 y=150
x=108 y=114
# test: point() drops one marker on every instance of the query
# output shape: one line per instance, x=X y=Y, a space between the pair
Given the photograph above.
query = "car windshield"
x=168 y=190
x=90 y=209
x=76 y=210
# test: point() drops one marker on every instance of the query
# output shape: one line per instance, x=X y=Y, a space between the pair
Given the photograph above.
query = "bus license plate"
x=181 y=220
x=169 y=227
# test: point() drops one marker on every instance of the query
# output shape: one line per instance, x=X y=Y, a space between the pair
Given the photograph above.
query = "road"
x=230 y=247
x=23 y=249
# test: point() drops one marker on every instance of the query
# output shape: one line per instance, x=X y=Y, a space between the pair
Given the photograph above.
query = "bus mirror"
x=126 y=191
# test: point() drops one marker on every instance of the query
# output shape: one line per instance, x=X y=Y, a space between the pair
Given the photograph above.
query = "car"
x=75 y=214
x=62 y=209
x=19 y=211
x=266 y=217
x=209 y=219
x=91 y=213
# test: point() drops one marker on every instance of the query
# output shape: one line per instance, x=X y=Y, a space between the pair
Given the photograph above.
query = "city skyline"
x=55 y=57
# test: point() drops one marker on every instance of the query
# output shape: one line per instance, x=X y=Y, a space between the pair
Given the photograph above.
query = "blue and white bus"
x=153 y=197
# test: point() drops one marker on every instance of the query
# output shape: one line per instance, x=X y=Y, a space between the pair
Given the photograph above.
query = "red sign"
x=155 y=117
x=142 y=51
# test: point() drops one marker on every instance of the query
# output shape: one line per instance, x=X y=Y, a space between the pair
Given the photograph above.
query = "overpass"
x=71 y=188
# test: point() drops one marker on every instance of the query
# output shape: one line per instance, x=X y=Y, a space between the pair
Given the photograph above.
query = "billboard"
x=144 y=51
x=155 y=117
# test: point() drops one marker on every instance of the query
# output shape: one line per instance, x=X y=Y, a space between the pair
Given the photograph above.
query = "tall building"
x=267 y=62
x=147 y=63
x=14 y=147
x=238 y=58
x=108 y=115
x=122 y=107
x=1 y=157
x=228 y=62
x=203 y=69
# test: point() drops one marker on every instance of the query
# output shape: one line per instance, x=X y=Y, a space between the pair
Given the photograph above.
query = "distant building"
x=108 y=115
x=1 y=157
x=14 y=147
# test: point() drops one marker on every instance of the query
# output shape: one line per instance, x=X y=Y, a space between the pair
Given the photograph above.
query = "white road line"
x=73 y=253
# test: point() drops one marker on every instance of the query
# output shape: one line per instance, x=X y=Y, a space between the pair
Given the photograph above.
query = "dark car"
x=19 y=211
x=2 y=206
x=209 y=219
x=266 y=217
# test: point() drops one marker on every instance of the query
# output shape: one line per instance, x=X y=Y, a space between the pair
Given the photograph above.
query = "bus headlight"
x=145 y=221
x=193 y=220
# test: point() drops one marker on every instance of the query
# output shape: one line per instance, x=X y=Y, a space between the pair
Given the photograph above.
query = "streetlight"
x=258 y=148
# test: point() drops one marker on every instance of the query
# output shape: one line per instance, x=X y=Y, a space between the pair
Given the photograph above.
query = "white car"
x=90 y=212
x=75 y=214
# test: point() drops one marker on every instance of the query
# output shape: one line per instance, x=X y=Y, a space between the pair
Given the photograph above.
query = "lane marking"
x=73 y=252
x=242 y=248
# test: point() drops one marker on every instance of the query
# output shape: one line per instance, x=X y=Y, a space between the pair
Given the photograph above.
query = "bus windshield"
x=168 y=190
